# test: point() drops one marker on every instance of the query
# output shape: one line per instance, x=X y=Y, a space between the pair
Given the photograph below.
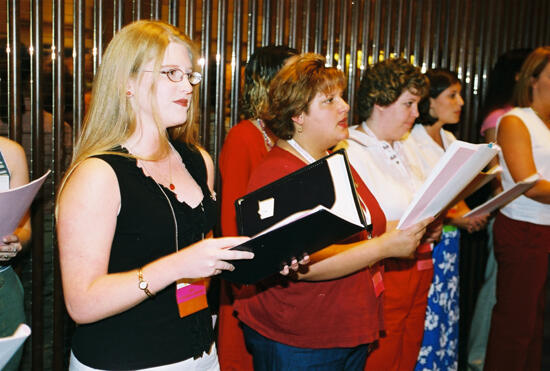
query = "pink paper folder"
x=461 y=163
x=505 y=197
x=15 y=202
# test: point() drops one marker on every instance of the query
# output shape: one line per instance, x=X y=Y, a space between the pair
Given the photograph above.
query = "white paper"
x=455 y=170
x=9 y=345
x=15 y=202
x=504 y=197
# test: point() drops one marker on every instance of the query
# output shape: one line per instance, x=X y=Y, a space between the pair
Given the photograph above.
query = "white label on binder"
x=266 y=208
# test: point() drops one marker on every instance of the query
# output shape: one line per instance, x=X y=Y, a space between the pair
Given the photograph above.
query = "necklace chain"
x=171 y=183
x=268 y=142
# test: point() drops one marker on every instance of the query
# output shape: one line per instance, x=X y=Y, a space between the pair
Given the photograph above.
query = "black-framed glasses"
x=177 y=75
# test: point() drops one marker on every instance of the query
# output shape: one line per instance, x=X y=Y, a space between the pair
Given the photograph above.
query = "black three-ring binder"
x=320 y=200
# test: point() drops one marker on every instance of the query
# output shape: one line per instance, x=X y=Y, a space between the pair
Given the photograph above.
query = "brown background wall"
x=466 y=36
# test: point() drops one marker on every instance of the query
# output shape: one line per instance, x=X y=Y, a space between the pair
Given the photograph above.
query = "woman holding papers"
x=387 y=103
x=325 y=316
x=13 y=173
x=246 y=144
x=522 y=228
x=134 y=209
x=443 y=105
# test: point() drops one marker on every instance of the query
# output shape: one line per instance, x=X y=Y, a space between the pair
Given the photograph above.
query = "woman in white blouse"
x=387 y=104
x=429 y=141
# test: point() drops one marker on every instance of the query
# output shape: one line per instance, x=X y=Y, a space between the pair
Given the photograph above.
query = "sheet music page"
x=9 y=345
x=15 y=202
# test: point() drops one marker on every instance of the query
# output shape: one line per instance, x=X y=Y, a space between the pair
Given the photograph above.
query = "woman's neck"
x=542 y=111
x=434 y=131
x=144 y=142
x=313 y=150
x=377 y=130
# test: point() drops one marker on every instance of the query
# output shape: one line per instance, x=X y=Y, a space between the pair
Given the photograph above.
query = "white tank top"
x=523 y=208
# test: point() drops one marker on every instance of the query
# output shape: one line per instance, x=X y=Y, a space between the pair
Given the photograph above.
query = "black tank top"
x=151 y=333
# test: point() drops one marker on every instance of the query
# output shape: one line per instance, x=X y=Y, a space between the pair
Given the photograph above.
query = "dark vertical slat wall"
x=466 y=36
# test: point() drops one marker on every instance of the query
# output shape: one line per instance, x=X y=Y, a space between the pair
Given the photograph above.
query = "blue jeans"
x=269 y=355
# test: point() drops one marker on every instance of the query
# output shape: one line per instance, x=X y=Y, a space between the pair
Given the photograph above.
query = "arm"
x=17 y=164
x=471 y=224
x=341 y=260
x=90 y=200
x=515 y=141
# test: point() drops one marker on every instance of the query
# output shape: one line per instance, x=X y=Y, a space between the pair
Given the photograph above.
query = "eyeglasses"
x=177 y=75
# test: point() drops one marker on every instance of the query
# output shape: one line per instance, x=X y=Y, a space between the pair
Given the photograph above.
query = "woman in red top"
x=324 y=316
x=246 y=144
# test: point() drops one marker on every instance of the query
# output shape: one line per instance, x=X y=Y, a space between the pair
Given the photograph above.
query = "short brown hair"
x=384 y=82
x=294 y=87
x=531 y=69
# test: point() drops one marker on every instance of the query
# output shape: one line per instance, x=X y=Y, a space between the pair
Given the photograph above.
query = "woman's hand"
x=9 y=247
x=402 y=243
x=294 y=265
x=210 y=256
x=470 y=224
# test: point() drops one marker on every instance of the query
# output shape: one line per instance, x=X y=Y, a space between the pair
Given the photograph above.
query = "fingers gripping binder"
x=300 y=213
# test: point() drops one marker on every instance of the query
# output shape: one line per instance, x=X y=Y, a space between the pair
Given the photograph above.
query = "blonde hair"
x=531 y=69
x=110 y=119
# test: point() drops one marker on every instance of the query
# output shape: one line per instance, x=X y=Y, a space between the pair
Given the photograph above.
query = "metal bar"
x=319 y=29
x=173 y=12
x=376 y=33
x=266 y=20
x=388 y=28
x=137 y=11
x=330 y=32
x=437 y=36
x=399 y=31
x=418 y=33
x=156 y=9
x=37 y=168
x=15 y=100
x=205 y=86
x=342 y=42
x=352 y=70
x=293 y=24
x=365 y=38
x=446 y=37
x=78 y=67
x=306 y=26
x=97 y=52
x=252 y=27
x=236 y=62
x=280 y=22
x=190 y=18
x=427 y=25
x=456 y=36
x=58 y=111
x=219 y=121
x=118 y=15
x=407 y=52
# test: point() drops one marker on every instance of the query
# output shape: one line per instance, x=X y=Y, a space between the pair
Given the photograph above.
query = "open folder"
x=9 y=345
x=458 y=167
x=300 y=213
x=15 y=202
x=505 y=197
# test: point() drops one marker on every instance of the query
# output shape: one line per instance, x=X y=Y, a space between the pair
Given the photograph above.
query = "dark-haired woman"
x=246 y=144
x=442 y=106
x=323 y=317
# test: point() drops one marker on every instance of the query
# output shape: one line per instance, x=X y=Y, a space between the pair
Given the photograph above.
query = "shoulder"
x=15 y=158
x=275 y=165
x=11 y=150
x=244 y=128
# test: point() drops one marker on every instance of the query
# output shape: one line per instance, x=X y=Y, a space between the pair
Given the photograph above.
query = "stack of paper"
x=9 y=345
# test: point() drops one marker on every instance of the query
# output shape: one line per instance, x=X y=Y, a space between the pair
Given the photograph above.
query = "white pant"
x=208 y=362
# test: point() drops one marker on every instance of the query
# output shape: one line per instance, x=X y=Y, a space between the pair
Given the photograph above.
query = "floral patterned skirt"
x=439 y=349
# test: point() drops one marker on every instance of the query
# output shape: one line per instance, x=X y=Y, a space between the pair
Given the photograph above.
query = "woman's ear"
x=299 y=119
x=431 y=111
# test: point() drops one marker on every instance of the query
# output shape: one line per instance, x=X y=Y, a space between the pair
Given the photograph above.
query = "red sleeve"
x=238 y=156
